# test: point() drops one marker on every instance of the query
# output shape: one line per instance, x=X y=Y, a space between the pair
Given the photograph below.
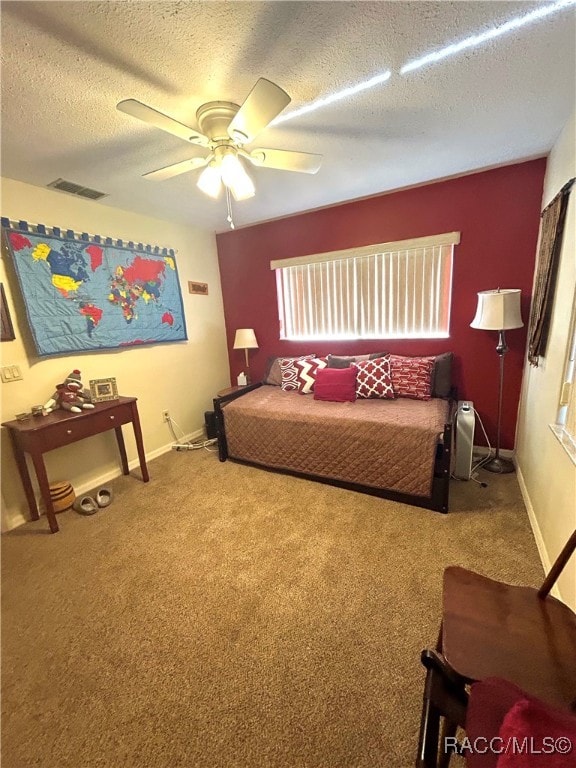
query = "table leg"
x=40 y=468
x=122 y=449
x=139 y=443
x=20 y=457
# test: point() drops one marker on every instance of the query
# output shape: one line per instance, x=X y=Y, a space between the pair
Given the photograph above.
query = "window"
x=384 y=291
x=565 y=427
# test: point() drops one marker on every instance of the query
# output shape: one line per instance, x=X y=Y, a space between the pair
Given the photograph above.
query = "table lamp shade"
x=245 y=339
x=498 y=310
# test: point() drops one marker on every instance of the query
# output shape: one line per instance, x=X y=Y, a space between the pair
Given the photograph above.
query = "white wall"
x=546 y=472
x=182 y=376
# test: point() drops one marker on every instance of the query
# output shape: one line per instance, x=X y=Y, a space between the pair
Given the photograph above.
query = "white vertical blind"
x=394 y=294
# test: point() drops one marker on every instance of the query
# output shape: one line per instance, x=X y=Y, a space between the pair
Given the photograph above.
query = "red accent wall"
x=497 y=213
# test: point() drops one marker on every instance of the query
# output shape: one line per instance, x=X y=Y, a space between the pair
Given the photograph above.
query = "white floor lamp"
x=499 y=310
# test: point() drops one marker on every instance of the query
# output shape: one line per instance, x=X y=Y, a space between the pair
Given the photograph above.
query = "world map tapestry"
x=90 y=294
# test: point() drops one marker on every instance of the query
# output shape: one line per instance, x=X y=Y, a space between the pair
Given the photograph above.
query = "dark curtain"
x=551 y=233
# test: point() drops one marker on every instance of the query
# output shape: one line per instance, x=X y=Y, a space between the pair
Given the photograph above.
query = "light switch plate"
x=10 y=373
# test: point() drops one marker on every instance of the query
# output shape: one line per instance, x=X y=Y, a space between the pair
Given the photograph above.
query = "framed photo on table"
x=103 y=389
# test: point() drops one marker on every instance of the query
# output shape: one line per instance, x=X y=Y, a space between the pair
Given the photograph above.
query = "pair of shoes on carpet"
x=87 y=505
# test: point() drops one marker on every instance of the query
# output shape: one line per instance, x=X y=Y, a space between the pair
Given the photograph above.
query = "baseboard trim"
x=16 y=522
x=542 y=551
x=133 y=464
x=96 y=482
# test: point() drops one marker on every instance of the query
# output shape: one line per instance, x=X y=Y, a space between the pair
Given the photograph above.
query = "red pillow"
x=412 y=376
x=373 y=378
x=505 y=727
x=550 y=732
x=335 y=384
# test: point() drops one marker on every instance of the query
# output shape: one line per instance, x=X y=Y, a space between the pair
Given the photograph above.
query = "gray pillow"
x=338 y=361
x=442 y=375
x=342 y=361
x=273 y=373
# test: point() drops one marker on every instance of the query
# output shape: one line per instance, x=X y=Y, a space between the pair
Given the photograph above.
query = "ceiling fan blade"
x=264 y=102
x=175 y=170
x=153 y=117
x=285 y=160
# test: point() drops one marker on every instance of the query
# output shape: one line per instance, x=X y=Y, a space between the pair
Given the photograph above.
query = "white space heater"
x=465 y=423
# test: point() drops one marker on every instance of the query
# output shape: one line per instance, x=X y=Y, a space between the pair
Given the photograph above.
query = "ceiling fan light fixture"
x=210 y=181
x=224 y=129
x=243 y=191
x=235 y=177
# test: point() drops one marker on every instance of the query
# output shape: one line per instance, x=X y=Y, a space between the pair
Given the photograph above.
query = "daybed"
x=394 y=448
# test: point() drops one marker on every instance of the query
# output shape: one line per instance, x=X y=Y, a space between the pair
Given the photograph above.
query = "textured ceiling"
x=65 y=65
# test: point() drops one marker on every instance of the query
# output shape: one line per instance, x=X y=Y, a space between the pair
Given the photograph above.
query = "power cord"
x=481 y=483
x=181 y=445
x=488 y=456
x=196 y=446
x=171 y=428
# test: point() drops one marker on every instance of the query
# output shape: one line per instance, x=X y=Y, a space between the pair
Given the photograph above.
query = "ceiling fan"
x=224 y=129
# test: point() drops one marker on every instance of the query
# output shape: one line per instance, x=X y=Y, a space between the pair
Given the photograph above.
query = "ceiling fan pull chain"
x=229 y=208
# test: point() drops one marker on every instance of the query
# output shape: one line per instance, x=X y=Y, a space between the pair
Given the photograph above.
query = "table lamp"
x=246 y=339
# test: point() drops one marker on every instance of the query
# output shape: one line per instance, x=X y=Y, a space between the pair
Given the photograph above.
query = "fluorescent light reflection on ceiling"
x=475 y=40
x=450 y=50
x=376 y=80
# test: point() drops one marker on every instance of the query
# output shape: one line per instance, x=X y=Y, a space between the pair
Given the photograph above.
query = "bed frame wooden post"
x=220 y=433
x=219 y=417
x=441 y=482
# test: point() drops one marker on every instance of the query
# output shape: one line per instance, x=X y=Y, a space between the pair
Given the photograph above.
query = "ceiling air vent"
x=76 y=189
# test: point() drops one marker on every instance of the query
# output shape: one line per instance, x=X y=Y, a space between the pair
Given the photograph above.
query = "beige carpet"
x=225 y=616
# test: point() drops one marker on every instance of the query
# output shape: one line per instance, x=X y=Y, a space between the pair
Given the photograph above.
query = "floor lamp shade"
x=499 y=310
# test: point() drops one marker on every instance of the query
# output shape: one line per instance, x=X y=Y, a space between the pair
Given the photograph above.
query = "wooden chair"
x=492 y=629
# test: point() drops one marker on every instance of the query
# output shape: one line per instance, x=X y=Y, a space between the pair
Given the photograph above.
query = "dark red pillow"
x=550 y=732
x=503 y=722
x=335 y=384
x=412 y=376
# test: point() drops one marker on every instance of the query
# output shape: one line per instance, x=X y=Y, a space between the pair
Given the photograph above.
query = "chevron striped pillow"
x=288 y=372
x=306 y=371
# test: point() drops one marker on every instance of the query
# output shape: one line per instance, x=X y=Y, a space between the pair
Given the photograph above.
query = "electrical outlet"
x=166 y=415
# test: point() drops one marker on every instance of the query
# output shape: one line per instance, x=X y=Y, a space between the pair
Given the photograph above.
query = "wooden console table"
x=39 y=434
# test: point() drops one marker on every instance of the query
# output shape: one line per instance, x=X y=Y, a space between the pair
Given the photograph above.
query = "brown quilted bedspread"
x=387 y=444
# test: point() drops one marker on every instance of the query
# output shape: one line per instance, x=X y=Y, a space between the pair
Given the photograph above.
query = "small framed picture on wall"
x=200 y=289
